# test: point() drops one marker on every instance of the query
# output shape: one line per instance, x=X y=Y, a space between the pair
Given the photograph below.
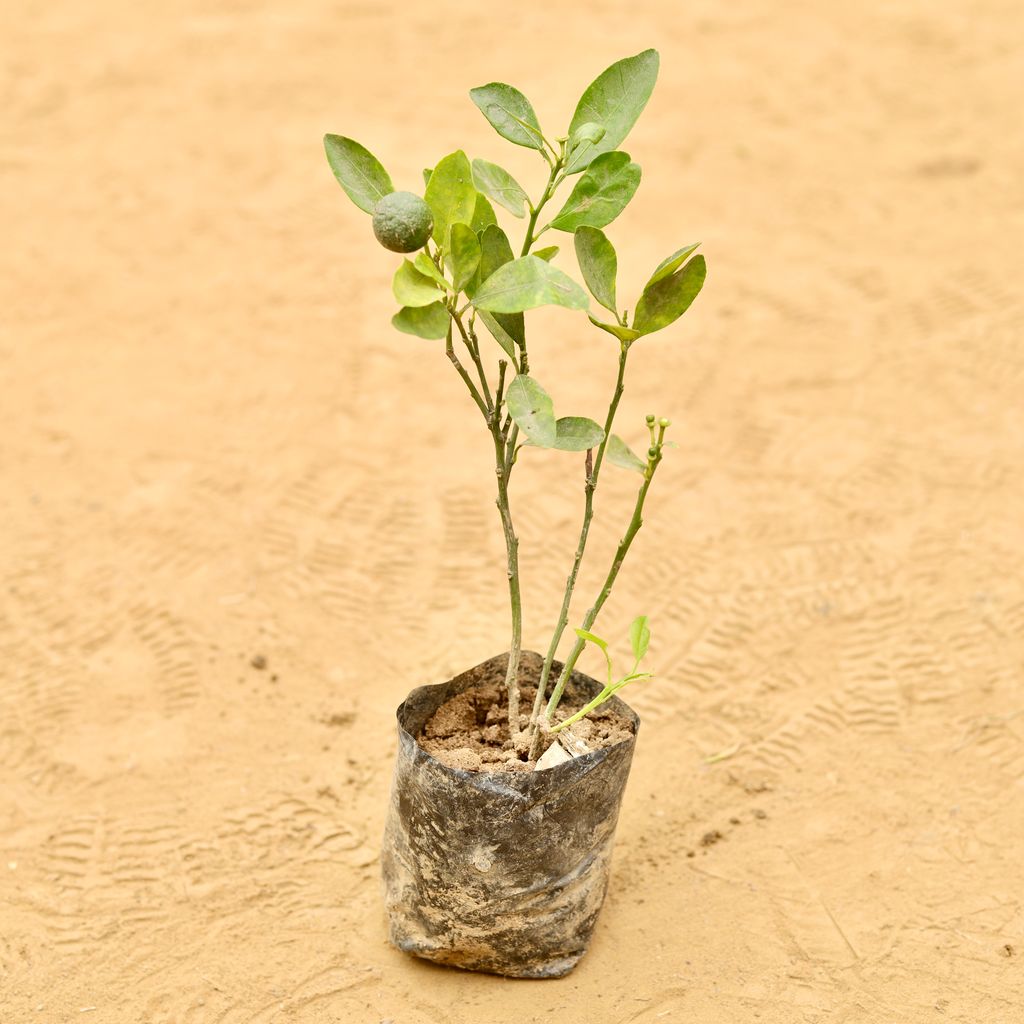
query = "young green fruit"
x=402 y=222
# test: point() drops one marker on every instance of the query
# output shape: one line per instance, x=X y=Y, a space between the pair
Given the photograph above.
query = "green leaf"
x=358 y=171
x=548 y=253
x=423 y=321
x=412 y=288
x=514 y=325
x=450 y=194
x=631 y=678
x=617 y=330
x=598 y=264
x=639 y=636
x=618 y=453
x=500 y=335
x=582 y=142
x=593 y=638
x=601 y=194
x=526 y=283
x=496 y=251
x=427 y=172
x=533 y=411
x=590 y=132
x=614 y=100
x=666 y=300
x=483 y=214
x=464 y=252
x=497 y=183
x=577 y=434
x=425 y=265
x=509 y=113
x=671 y=265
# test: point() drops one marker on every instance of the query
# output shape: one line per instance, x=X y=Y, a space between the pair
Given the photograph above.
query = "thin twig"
x=593 y=471
x=466 y=379
x=503 y=468
x=620 y=554
x=470 y=341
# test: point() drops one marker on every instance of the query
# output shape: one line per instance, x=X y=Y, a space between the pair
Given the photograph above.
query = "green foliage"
x=671 y=264
x=451 y=195
x=526 y=283
x=425 y=265
x=510 y=114
x=498 y=332
x=531 y=408
x=464 y=255
x=613 y=101
x=585 y=634
x=625 y=334
x=639 y=639
x=587 y=134
x=497 y=183
x=412 y=288
x=483 y=214
x=548 y=253
x=663 y=302
x=608 y=184
x=358 y=171
x=533 y=411
x=618 y=453
x=423 y=321
x=598 y=264
x=577 y=434
x=495 y=252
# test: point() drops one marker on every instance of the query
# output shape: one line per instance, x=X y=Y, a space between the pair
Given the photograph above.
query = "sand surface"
x=214 y=448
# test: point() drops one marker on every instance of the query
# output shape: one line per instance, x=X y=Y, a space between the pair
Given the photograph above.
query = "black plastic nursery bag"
x=503 y=871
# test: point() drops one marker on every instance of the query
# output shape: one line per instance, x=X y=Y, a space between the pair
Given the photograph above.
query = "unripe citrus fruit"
x=402 y=222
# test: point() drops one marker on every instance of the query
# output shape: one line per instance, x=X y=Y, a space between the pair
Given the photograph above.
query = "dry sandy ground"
x=214 y=447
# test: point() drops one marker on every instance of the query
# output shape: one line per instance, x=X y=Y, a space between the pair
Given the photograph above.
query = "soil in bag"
x=487 y=864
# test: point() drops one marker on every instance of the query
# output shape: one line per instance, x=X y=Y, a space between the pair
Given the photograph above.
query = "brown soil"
x=470 y=731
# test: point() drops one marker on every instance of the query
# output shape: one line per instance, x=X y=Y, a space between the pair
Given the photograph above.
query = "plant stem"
x=475 y=352
x=499 y=394
x=570 y=583
x=585 y=710
x=504 y=457
x=472 y=344
x=505 y=437
x=549 y=191
x=503 y=468
x=620 y=553
x=467 y=380
x=534 y=213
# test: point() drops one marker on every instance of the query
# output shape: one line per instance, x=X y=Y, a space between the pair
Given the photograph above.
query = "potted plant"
x=509 y=777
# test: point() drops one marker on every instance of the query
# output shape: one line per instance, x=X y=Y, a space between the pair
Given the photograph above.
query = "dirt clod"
x=339 y=718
